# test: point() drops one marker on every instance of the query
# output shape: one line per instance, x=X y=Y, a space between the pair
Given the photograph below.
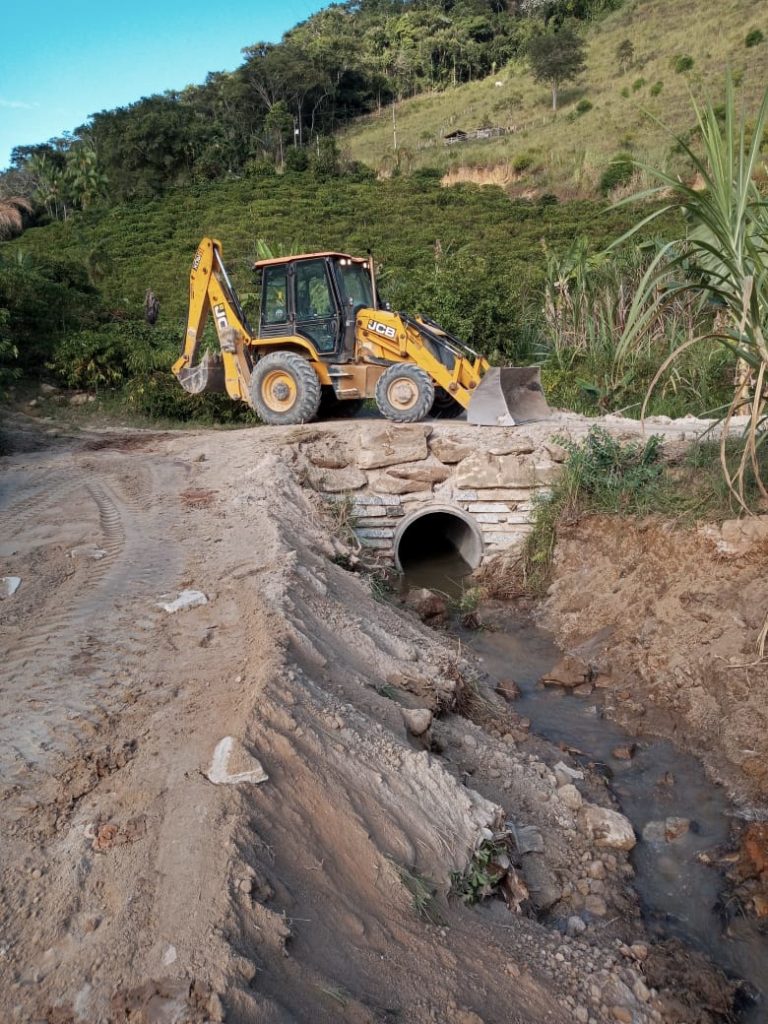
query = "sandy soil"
x=132 y=889
x=672 y=618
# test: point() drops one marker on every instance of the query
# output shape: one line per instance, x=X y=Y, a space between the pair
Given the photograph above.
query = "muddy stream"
x=681 y=897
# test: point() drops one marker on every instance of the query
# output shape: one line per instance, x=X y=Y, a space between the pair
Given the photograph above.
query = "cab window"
x=275 y=308
x=313 y=293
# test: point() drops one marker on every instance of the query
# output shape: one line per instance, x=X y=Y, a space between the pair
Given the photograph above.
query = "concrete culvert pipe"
x=435 y=531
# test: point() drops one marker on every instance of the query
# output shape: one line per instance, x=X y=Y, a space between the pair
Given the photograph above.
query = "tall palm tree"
x=12 y=210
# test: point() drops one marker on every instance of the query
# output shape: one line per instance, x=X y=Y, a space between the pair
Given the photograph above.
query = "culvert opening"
x=436 y=548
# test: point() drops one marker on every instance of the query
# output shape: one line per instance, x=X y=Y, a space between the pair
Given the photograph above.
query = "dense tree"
x=346 y=60
x=557 y=57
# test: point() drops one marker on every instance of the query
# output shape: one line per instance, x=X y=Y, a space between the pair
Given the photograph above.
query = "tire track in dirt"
x=67 y=675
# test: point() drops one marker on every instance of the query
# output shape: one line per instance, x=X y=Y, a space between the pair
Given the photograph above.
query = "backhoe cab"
x=325 y=342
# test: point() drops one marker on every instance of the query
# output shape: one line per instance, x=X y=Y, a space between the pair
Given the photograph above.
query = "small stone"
x=596 y=869
x=429 y=606
x=583 y=886
x=584 y=690
x=581 y=1013
x=417 y=720
x=597 y=886
x=184 y=600
x=575 y=926
x=621 y=1015
x=508 y=689
x=641 y=991
x=512 y=969
x=9 y=585
x=625 y=752
x=469 y=742
x=676 y=828
x=568 y=672
x=595 y=905
x=570 y=796
x=639 y=951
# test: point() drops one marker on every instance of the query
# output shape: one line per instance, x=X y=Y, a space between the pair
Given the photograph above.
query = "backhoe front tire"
x=284 y=389
x=404 y=393
x=445 y=406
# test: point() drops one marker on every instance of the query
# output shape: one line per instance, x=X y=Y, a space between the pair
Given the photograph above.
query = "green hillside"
x=568 y=153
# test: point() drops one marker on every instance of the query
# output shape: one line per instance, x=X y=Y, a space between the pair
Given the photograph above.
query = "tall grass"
x=588 y=300
x=721 y=259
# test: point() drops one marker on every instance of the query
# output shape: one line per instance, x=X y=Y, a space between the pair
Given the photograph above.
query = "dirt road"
x=135 y=889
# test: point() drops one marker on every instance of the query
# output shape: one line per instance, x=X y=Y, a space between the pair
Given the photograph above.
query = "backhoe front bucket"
x=508 y=395
x=208 y=375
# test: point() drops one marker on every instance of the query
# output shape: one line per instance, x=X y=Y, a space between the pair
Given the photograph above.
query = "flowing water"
x=681 y=897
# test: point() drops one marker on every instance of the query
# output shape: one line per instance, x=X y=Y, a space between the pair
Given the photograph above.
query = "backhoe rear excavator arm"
x=211 y=292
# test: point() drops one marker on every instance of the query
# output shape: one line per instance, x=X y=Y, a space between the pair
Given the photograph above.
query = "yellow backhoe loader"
x=325 y=342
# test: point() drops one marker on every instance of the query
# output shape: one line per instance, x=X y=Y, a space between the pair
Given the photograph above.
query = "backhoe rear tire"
x=285 y=389
x=404 y=393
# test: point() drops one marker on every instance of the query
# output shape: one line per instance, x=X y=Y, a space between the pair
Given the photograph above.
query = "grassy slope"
x=570 y=152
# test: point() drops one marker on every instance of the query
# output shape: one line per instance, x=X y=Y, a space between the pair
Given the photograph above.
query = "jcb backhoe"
x=324 y=337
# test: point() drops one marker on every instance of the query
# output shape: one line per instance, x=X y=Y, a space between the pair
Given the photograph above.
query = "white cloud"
x=17 y=104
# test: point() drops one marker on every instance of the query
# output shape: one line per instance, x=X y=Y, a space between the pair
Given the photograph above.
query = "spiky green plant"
x=723 y=256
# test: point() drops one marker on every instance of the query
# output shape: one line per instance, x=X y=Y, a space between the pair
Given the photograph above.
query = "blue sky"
x=60 y=62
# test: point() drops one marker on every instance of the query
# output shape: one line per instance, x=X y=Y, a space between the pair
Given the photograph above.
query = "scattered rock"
x=596 y=869
x=569 y=672
x=608 y=827
x=622 y=1015
x=186 y=599
x=231 y=764
x=540 y=880
x=528 y=838
x=9 y=585
x=48 y=389
x=575 y=926
x=565 y=774
x=428 y=605
x=676 y=828
x=79 y=398
x=90 y=551
x=666 y=831
x=625 y=752
x=595 y=905
x=570 y=796
x=508 y=689
x=639 y=951
x=417 y=720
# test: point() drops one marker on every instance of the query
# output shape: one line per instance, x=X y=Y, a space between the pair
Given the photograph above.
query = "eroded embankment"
x=670 y=619
x=148 y=893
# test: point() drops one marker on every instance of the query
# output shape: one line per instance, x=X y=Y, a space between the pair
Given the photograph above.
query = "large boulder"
x=448 y=450
x=607 y=828
x=390 y=443
x=568 y=672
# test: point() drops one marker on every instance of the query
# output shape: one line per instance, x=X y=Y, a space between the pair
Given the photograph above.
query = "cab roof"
x=306 y=256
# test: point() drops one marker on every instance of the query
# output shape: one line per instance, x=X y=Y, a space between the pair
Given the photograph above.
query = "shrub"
x=618 y=172
x=656 y=88
x=682 y=63
x=296 y=159
x=625 y=92
x=583 y=106
x=754 y=38
x=522 y=162
x=638 y=84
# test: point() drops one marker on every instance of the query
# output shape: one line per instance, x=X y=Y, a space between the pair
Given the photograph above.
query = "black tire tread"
x=426 y=397
x=309 y=388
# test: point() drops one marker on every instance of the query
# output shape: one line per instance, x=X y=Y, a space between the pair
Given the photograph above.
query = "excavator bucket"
x=208 y=375
x=508 y=395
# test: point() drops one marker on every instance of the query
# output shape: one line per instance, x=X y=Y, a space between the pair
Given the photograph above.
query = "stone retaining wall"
x=388 y=471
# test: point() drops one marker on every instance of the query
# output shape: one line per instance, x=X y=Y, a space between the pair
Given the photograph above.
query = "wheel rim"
x=403 y=394
x=279 y=391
